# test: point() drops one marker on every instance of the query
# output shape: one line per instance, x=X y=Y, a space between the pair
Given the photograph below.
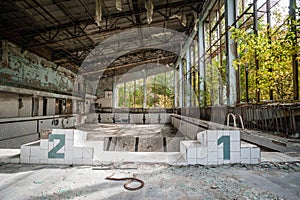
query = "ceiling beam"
x=111 y=16
x=104 y=35
x=130 y=65
x=173 y=46
x=62 y=7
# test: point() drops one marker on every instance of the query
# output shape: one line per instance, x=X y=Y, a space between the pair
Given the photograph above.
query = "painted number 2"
x=225 y=139
x=53 y=153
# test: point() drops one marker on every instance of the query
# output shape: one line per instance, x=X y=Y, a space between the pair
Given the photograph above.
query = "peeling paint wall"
x=31 y=71
x=32 y=85
x=1 y=53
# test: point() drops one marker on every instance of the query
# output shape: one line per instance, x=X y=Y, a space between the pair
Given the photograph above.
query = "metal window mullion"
x=230 y=17
x=255 y=28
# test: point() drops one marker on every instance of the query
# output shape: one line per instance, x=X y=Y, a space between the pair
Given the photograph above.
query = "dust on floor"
x=263 y=181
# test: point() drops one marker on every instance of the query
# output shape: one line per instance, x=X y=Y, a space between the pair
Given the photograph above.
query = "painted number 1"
x=53 y=153
x=225 y=139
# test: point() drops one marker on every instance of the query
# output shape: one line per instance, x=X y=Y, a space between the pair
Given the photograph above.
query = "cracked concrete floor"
x=264 y=181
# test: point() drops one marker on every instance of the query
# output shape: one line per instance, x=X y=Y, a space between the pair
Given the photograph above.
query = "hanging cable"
x=195 y=21
x=98 y=16
x=183 y=20
x=119 y=5
x=149 y=8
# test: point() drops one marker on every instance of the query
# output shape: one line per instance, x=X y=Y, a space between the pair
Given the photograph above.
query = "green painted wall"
x=33 y=72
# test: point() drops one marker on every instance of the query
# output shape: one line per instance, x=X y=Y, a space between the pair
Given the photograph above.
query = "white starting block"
x=219 y=147
x=64 y=146
x=67 y=146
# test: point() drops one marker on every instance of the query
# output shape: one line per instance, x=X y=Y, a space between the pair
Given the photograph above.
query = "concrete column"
x=175 y=88
x=180 y=83
x=295 y=62
x=188 y=77
x=134 y=96
x=181 y=77
x=145 y=88
x=201 y=60
x=230 y=15
x=114 y=94
x=125 y=96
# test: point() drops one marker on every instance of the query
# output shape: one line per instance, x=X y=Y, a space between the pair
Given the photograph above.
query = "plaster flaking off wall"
x=32 y=71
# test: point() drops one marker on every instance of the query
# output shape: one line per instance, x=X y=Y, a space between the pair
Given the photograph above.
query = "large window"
x=263 y=52
x=159 y=92
x=265 y=69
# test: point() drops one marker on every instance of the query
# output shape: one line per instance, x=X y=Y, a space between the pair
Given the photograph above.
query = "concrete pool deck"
x=261 y=181
x=13 y=156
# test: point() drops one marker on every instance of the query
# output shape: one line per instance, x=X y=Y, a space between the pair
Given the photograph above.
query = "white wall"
x=26 y=110
x=15 y=133
x=51 y=106
x=8 y=105
x=40 y=106
x=12 y=135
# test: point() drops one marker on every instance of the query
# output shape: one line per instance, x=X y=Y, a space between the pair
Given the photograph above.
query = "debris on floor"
x=234 y=181
x=129 y=181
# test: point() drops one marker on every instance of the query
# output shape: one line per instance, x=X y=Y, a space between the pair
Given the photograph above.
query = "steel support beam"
x=201 y=60
x=268 y=8
x=145 y=88
x=180 y=83
x=188 y=77
x=292 y=12
x=175 y=87
x=255 y=28
x=122 y=14
x=230 y=15
x=219 y=33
